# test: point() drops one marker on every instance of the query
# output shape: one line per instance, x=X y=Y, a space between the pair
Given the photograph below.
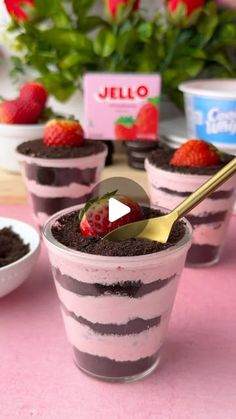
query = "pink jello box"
x=122 y=106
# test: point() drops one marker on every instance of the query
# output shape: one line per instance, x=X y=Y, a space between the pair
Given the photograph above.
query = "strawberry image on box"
x=122 y=106
x=125 y=128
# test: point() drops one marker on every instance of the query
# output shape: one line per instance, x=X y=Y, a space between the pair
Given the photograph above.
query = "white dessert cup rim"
x=48 y=238
x=202 y=88
x=32 y=251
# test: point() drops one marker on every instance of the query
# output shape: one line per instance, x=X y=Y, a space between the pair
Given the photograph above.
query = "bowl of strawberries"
x=21 y=119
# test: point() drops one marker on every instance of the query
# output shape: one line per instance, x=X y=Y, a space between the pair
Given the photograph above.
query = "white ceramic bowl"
x=13 y=275
x=11 y=135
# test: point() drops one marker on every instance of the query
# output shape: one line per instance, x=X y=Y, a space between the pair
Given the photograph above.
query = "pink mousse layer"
x=103 y=270
x=119 y=309
x=134 y=346
x=73 y=190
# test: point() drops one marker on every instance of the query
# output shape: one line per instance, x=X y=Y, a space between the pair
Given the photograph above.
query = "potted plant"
x=63 y=39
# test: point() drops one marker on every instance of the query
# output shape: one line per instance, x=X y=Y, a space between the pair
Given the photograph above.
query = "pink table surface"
x=196 y=378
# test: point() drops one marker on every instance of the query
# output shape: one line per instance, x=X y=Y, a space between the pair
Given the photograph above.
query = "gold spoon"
x=159 y=228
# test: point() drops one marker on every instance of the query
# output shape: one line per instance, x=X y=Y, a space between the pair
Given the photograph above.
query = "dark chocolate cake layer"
x=66 y=230
x=37 y=148
x=51 y=205
x=105 y=367
x=214 y=195
x=202 y=253
x=132 y=327
x=132 y=289
x=59 y=176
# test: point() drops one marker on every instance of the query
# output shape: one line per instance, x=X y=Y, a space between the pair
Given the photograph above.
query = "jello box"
x=122 y=106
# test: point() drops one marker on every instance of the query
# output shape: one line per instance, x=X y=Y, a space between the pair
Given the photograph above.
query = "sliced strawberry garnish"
x=196 y=153
x=63 y=132
x=34 y=91
x=94 y=218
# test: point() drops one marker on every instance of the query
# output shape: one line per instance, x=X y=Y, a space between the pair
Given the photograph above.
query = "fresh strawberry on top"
x=125 y=128
x=19 y=111
x=94 y=218
x=196 y=153
x=63 y=132
x=147 y=120
x=34 y=91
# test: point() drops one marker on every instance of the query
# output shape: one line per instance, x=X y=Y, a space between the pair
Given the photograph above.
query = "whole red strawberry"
x=189 y=6
x=16 y=8
x=113 y=6
x=63 y=132
x=34 y=91
x=125 y=128
x=94 y=218
x=147 y=120
x=19 y=111
x=196 y=153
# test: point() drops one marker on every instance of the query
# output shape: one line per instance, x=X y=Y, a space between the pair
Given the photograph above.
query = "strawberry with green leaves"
x=94 y=217
x=147 y=120
x=196 y=153
x=125 y=128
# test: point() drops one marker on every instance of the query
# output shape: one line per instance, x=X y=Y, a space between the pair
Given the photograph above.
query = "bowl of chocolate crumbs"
x=19 y=251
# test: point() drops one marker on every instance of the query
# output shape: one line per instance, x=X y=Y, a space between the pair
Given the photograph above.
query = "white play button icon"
x=116 y=210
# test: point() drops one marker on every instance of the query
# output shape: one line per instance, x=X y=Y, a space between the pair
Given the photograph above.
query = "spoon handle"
x=196 y=197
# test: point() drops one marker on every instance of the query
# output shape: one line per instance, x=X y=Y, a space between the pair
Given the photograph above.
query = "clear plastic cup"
x=55 y=184
x=116 y=310
x=209 y=219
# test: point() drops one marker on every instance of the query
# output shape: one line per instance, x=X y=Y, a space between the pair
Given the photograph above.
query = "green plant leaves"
x=58 y=85
x=74 y=58
x=82 y=7
x=90 y=23
x=145 y=31
x=105 y=43
x=60 y=38
x=64 y=38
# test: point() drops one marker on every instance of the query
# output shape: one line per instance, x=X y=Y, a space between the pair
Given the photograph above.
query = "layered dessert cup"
x=170 y=185
x=116 y=297
x=58 y=177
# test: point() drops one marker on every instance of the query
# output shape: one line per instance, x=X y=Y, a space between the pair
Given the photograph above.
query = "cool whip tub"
x=116 y=310
x=210 y=107
x=209 y=219
x=56 y=183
